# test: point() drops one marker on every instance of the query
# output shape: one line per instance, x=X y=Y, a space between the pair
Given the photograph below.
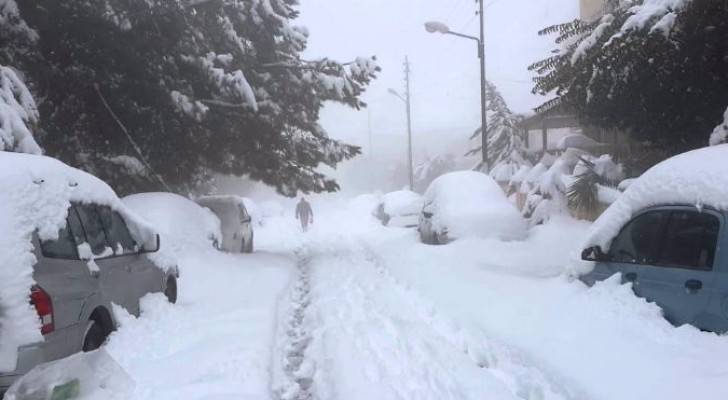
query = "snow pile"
x=720 y=133
x=89 y=376
x=698 y=177
x=181 y=222
x=364 y=205
x=37 y=192
x=469 y=203
x=17 y=110
x=403 y=202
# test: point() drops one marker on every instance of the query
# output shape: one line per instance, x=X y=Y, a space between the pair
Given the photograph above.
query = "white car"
x=468 y=204
x=236 y=222
x=400 y=209
x=180 y=221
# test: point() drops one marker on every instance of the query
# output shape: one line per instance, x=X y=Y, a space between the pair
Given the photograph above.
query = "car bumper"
x=28 y=357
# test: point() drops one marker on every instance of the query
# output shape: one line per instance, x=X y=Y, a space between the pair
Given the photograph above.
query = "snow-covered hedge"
x=37 y=192
x=698 y=178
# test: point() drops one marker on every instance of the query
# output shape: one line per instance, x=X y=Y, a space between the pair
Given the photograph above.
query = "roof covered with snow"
x=698 y=177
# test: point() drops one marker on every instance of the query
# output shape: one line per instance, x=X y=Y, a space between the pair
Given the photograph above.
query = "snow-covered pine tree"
x=216 y=86
x=652 y=68
x=506 y=150
x=18 y=111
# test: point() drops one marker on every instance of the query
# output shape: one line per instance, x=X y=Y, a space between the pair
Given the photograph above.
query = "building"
x=593 y=9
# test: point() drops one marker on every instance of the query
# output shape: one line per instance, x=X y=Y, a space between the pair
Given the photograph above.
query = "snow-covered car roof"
x=221 y=199
x=469 y=203
x=36 y=194
x=177 y=218
x=698 y=177
x=402 y=202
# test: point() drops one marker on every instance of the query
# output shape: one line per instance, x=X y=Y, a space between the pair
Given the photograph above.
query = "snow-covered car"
x=69 y=249
x=236 y=224
x=400 y=209
x=664 y=235
x=468 y=204
x=181 y=222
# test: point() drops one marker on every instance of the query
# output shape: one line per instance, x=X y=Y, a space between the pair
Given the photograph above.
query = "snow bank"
x=37 y=192
x=698 y=177
x=181 y=222
x=469 y=203
x=402 y=202
x=89 y=376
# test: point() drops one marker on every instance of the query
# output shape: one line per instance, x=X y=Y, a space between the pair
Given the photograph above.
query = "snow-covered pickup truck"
x=668 y=237
x=69 y=249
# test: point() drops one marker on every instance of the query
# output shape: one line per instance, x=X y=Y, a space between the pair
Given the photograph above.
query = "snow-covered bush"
x=470 y=203
x=17 y=111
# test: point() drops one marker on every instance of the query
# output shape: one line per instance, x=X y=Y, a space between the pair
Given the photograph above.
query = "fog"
x=445 y=78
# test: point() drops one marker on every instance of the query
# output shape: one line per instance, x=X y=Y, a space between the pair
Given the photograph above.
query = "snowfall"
x=354 y=310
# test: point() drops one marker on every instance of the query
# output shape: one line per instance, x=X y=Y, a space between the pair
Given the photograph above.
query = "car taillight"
x=44 y=307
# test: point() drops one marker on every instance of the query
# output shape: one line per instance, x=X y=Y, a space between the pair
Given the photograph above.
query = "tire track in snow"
x=296 y=379
x=520 y=373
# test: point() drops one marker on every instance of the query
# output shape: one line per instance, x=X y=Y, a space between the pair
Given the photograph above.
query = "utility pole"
x=409 y=123
x=407 y=99
x=483 y=88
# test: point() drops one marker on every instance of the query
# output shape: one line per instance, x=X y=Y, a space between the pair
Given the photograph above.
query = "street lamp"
x=406 y=100
x=439 y=27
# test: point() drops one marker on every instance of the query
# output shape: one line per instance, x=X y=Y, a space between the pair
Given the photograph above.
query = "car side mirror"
x=593 y=253
x=151 y=246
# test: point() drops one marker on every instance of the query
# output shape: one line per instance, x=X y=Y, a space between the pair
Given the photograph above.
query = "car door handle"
x=693 y=285
x=630 y=277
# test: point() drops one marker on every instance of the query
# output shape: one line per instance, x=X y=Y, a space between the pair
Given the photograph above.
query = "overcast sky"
x=445 y=71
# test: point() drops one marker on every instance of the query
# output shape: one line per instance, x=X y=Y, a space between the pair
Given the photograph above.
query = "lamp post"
x=439 y=27
x=407 y=101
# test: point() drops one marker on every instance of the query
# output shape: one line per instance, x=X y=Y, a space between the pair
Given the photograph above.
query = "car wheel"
x=170 y=292
x=95 y=337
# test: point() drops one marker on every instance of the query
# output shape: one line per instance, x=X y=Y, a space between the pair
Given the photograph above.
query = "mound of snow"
x=37 y=192
x=469 y=203
x=364 y=205
x=180 y=221
x=698 y=177
x=402 y=202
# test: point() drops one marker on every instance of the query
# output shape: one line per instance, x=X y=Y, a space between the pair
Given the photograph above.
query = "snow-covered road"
x=357 y=311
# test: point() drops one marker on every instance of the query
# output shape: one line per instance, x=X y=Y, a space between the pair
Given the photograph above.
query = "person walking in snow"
x=304 y=213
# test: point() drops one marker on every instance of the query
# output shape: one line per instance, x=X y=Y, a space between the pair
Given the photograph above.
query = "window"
x=92 y=226
x=65 y=246
x=638 y=242
x=690 y=240
x=116 y=230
